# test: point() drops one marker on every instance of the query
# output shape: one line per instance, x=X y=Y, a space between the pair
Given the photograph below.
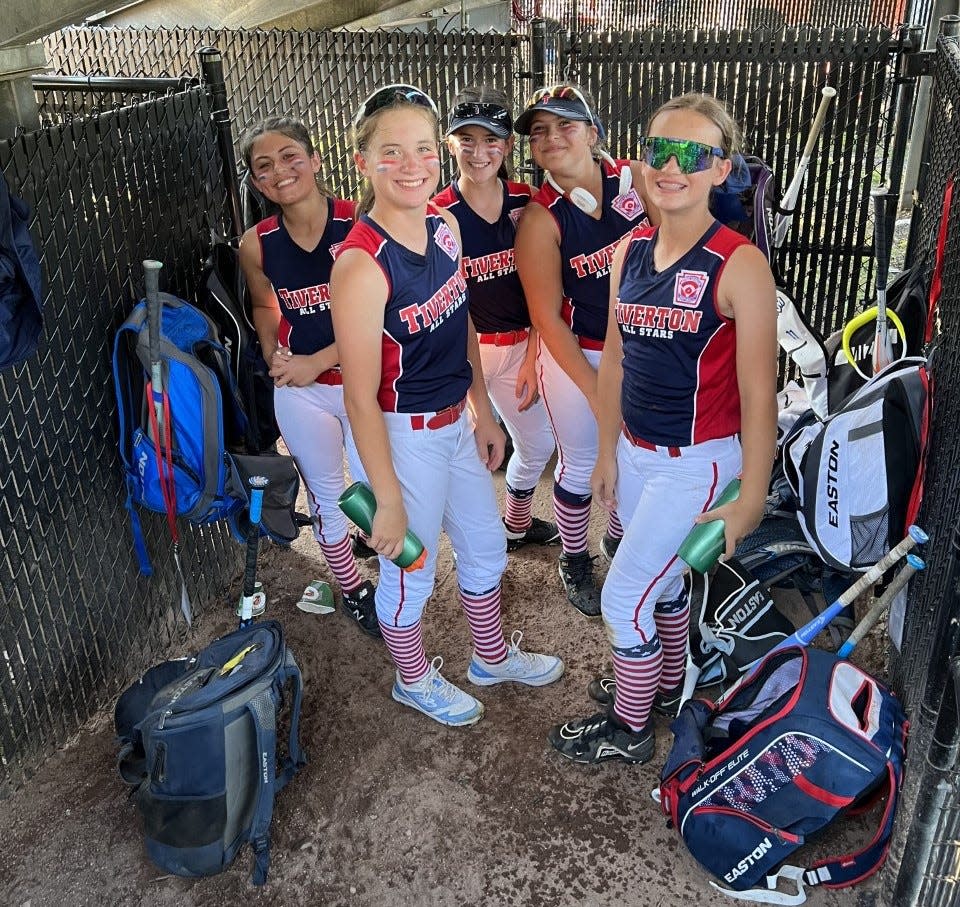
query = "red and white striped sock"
x=342 y=564
x=673 y=626
x=573 y=520
x=519 y=515
x=405 y=645
x=614 y=526
x=486 y=627
x=637 y=681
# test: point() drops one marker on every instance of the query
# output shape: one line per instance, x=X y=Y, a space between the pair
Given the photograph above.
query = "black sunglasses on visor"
x=493 y=116
x=384 y=97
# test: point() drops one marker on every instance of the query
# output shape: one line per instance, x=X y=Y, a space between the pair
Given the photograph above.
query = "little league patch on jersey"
x=514 y=216
x=689 y=288
x=628 y=205
x=334 y=248
x=447 y=241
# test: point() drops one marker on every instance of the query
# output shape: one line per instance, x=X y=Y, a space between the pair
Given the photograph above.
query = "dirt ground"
x=392 y=808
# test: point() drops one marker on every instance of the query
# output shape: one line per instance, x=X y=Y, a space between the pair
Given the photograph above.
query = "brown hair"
x=363 y=131
x=292 y=127
x=712 y=109
x=487 y=94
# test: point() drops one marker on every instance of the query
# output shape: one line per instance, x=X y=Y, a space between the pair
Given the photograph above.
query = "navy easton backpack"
x=803 y=739
x=199 y=749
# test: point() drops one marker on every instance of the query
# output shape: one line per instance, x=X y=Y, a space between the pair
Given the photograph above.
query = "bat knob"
x=917 y=562
x=918 y=535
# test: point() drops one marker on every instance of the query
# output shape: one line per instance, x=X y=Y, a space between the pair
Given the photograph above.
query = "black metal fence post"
x=911 y=43
x=538 y=75
x=211 y=69
x=949 y=27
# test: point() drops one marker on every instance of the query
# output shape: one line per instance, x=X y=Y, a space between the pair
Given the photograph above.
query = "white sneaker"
x=439 y=699
x=518 y=667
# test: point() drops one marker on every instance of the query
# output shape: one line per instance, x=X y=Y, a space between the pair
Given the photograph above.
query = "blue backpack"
x=195 y=471
x=202 y=417
x=199 y=749
x=804 y=739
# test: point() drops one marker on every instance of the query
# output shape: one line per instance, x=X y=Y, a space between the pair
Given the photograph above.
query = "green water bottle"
x=705 y=542
x=358 y=503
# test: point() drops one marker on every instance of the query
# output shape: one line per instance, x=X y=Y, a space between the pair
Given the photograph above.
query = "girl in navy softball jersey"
x=687 y=401
x=487 y=206
x=565 y=243
x=286 y=261
x=411 y=364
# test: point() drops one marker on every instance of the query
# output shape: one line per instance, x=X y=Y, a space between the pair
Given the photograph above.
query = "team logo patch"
x=447 y=241
x=689 y=287
x=515 y=216
x=334 y=248
x=629 y=205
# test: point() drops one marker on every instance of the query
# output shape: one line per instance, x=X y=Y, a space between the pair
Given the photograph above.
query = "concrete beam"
x=18 y=103
x=24 y=21
x=327 y=14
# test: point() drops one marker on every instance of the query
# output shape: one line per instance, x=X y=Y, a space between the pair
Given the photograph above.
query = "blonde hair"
x=712 y=109
x=363 y=132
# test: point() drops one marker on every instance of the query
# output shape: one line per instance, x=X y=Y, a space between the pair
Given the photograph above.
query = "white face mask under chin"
x=583 y=199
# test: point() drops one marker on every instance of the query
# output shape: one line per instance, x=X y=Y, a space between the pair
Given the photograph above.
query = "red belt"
x=440 y=419
x=330 y=376
x=587 y=344
x=646 y=445
x=505 y=338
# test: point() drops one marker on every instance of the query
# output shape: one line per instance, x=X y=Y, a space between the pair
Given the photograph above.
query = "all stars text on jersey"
x=306 y=300
x=430 y=314
x=656 y=321
x=487 y=267
x=595 y=263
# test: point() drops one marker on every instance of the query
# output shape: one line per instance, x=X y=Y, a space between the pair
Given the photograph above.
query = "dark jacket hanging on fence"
x=21 y=290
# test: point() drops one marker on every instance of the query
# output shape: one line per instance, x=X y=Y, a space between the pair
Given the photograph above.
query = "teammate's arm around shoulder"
x=263 y=300
x=748 y=294
x=358 y=294
x=609 y=382
x=537 y=255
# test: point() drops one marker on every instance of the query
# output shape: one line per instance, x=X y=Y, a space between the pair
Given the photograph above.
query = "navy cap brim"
x=568 y=108
x=499 y=130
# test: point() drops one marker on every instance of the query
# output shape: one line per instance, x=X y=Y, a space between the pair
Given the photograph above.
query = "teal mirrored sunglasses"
x=691 y=157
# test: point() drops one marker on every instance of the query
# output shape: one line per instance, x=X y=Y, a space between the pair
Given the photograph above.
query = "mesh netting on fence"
x=319 y=76
x=585 y=15
x=78 y=618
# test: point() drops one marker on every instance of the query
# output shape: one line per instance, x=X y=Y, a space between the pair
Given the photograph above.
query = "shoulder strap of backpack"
x=262 y=710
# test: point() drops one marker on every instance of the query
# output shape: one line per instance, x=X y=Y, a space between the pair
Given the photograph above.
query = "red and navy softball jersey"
x=424 y=347
x=497 y=302
x=301 y=278
x=679 y=352
x=587 y=247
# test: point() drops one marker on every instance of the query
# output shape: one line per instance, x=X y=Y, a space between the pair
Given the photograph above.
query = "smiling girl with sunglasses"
x=286 y=261
x=687 y=388
x=487 y=206
x=564 y=247
x=410 y=365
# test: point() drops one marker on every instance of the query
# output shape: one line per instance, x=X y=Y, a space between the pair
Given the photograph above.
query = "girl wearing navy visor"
x=487 y=205
x=565 y=244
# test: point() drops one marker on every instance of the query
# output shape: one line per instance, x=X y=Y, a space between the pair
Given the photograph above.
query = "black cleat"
x=604 y=691
x=539 y=532
x=360 y=605
x=602 y=737
x=360 y=547
x=609 y=546
x=576 y=573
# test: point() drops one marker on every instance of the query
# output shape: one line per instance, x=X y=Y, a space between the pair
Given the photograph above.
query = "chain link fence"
x=577 y=16
x=319 y=76
x=77 y=618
